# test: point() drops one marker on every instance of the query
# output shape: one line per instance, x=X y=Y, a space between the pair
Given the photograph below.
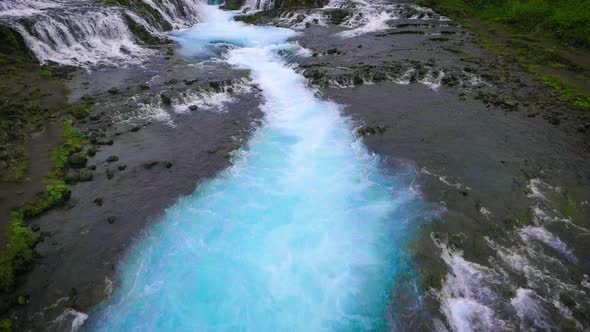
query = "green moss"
x=6 y=325
x=557 y=65
x=567 y=21
x=233 y=4
x=118 y=2
x=142 y=34
x=74 y=140
x=19 y=253
x=567 y=91
x=78 y=111
x=46 y=73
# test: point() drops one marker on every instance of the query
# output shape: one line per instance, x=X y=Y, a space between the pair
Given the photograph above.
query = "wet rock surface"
x=498 y=154
x=143 y=152
x=488 y=145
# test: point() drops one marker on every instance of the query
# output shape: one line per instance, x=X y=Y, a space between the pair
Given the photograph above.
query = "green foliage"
x=565 y=20
x=73 y=143
x=6 y=325
x=78 y=111
x=19 y=253
x=567 y=91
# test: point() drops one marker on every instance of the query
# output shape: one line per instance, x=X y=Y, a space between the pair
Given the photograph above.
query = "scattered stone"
x=104 y=141
x=113 y=91
x=35 y=227
x=91 y=152
x=168 y=164
x=72 y=176
x=110 y=173
x=150 y=164
x=144 y=87
x=216 y=86
x=165 y=99
x=112 y=159
x=94 y=117
x=370 y=130
x=135 y=129
x=85 y=175
x=193 y=107
x=93 y=137
x=112 y=219
x=122 y=167
x=332 y=51
x=99 y=200
x=77 y=160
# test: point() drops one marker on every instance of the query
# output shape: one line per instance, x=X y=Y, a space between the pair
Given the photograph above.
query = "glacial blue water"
x=303 y=232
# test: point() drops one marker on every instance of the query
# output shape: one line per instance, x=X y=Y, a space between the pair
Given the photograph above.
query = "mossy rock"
x=233 y=4
x=6 y=325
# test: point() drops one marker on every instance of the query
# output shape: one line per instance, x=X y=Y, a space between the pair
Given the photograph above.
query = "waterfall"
x=70 y=32
x=259 y=4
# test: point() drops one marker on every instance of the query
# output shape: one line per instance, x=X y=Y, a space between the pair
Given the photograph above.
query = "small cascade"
x=259 y=5
x=177 y=13
x=87 y=34
x=83 y=38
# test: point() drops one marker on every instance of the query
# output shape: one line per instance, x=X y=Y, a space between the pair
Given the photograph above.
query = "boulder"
x=77 y=160
x=112 y=159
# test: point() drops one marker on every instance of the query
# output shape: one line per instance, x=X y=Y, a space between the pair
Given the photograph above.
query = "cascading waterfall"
x=256 y=5
x=87 y=34
x=83 y=38
x=303 y=233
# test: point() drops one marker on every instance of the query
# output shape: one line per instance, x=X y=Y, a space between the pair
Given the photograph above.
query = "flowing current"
x=302 y=233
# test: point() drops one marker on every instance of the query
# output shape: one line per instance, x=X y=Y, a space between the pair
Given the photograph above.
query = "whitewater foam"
x=302 y=232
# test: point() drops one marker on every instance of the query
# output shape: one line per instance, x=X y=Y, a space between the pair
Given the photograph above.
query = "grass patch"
x=567 y=91
x=74 y=140
x=567 y=21
x=19 y=251
x=6 y=325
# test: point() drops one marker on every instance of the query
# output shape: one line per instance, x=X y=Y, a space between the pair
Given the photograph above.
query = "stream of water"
x=304 y=232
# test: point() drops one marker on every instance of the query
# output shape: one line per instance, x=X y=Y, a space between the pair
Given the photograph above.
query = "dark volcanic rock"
x=150 y=164
x=112 y=159
x=77 y=160
x=165 y=99
x=85 y=175
x=110 y=173
x=99 y=200
x=104 y=141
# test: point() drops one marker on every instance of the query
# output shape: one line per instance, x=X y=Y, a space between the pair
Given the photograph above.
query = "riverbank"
x=548 y=38
x=502 y=162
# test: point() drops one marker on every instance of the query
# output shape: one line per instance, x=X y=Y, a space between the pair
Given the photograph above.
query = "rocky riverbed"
x=501 y=161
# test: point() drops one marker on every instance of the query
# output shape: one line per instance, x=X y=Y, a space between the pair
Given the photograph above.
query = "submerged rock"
x=165 y=99
x=77 y=160
x=112 y=159
x=150 y=164
x=110 y=173
x=99 y=200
